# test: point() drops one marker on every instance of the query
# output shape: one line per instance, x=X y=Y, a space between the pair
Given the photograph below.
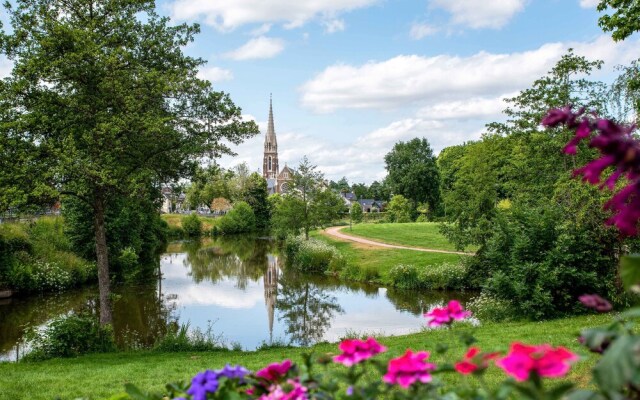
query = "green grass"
x=175 y=220
x=417 y=234
x=100 y=376
x=382 y=260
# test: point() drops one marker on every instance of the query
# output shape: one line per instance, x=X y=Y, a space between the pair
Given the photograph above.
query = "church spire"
x=270 y=164
x=271 y=130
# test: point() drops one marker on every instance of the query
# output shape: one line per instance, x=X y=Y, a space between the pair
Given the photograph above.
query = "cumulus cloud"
x=229 y=15
x=589 y=3
x=6 y=66
x=414 y=79
x=419 y=31
x=480 y=14
x=256 y=48
x=261 y=30
x=215 y=74
x=333 y=25
x=473 y=108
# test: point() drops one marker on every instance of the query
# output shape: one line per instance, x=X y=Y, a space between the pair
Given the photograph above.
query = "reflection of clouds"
x=224 y=294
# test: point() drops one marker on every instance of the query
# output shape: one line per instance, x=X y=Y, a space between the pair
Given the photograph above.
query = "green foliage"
x=70 y=336
x=192 y=225
x=356 y=213
x=405 y=277
x=256 y=195
x=413 y=172
x=622 y=18
x=285 y=219
x=240 y=219
x=325 y=207
x=179 y=338
x=445 y=276
x=312 y=255
x=133 y=226
x=488 y=308
x=399 y=209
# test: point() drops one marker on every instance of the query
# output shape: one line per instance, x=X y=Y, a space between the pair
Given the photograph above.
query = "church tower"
x=270 y=167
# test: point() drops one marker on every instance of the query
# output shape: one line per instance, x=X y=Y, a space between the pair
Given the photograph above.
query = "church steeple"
x=270 y=167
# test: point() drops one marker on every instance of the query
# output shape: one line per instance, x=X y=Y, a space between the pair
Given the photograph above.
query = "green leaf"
x=619 y=365
x=630 y=271
x=135 y=393
x=559 y=391
x=584 y=395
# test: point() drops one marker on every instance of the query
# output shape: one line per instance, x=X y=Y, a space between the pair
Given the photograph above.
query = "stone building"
x=278 y=181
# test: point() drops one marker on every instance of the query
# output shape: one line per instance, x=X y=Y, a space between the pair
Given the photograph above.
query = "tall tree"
x=103 y=103
x=256 y=195
x=413 y=172
x=306 y=184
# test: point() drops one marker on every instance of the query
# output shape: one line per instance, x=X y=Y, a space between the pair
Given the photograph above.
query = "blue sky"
x=351 y=77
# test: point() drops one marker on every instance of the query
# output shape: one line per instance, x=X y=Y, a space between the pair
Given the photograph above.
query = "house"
x=172 y=203
x=370 y=205
x=348 y=198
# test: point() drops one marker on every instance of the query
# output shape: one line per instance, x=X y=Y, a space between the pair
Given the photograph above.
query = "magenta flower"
x=447 y=315
x=595 y=302
x=619 y=150
x=543 y=360
x=408 y=369
x=355 y=351
x=274 y=372
x=474 y=361
x=292 y=390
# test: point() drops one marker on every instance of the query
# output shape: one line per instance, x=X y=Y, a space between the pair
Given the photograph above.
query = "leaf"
x=137 y=394
x=619 y=365
x=559 y=391
x=584 y=395
x=630 y=271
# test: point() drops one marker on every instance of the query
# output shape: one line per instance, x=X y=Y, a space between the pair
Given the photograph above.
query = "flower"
x=408 y=369
x=446 y=315
x=237 y=372
x=474 y=361
x=203 y=383
x=277 y=392
x=354 y=351
x=274 y=372
x=595 y=302
x=543 y=360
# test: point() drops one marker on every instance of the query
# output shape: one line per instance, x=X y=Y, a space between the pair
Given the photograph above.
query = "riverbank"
x=101 y=376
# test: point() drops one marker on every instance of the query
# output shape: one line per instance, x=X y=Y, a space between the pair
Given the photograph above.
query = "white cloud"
x=589 y=3
x=473 y=108
x=419 y=31
x=215 y=74
x=228 y=15
x=480 y=14
x=6 y=66
x=413 y=79
x=260 y=47
x=333 y=25
x=261 y=30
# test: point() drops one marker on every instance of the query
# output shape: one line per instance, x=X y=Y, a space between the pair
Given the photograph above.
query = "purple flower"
x=595 y=302
x=559 y=116
x=203 y=383
x=237 y=372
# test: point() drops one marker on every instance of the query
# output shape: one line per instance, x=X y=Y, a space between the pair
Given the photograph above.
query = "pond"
x=238 y=288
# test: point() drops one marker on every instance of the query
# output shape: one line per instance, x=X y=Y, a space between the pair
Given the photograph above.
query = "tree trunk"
x=106 y=318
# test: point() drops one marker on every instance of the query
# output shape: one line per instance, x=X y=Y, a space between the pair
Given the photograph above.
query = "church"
x=278 y=181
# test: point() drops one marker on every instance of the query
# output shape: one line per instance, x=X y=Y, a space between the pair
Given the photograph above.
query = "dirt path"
x=335 y=232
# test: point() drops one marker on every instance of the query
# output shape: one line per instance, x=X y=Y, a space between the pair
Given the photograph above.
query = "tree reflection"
x=305 y=308
x=419 y=302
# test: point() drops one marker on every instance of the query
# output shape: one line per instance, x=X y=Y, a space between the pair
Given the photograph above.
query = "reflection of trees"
x=419 y=302
x=305 y=308
x=240 y=257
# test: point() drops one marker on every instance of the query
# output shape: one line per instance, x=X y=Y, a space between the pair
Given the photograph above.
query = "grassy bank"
x=418 y=234
x=175 y=222
x=37 y=256
x=99 y=376
x=373 y=264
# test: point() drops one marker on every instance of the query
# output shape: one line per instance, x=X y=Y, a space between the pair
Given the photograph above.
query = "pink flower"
x=474 y=361
x=446 y=315
x=408 y=369
x=595 y=302
x=354 y=351
x=274 y=372
x=292 y=390
x=544 y=360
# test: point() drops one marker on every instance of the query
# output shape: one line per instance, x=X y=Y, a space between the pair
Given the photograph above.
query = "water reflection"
x=240 y=287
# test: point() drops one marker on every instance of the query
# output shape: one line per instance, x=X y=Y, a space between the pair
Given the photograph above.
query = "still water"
x=240 y=289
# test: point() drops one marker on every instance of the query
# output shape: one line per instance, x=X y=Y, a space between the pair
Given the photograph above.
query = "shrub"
x=240 y=219
x=486 y=307
x=405 y=277
x=180 y=338
x=70 y=336
x=313 y=255
x=445 y=276
x=192 y=225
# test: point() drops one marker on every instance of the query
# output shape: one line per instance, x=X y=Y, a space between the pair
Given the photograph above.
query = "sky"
x=350 y=78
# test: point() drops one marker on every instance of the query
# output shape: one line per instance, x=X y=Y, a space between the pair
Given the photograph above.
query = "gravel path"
x=335 y=232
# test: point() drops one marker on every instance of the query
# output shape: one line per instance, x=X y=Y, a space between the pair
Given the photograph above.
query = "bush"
x=70 y=336
x=180 y=338
x=445 y=276
x=405 y=277
x=240 y=219
x=191 y=225
x=486 y=307
x=313 y=255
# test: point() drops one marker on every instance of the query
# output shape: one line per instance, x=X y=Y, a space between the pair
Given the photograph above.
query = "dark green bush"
x=312 y=255
x=240 y=219
x=71 y=336
x=405 y=277
x=192 y=225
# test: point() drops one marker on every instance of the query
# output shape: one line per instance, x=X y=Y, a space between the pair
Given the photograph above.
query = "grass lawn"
x=100 y=376
x=383 y=260
x=417 y=234
x=176 y=221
